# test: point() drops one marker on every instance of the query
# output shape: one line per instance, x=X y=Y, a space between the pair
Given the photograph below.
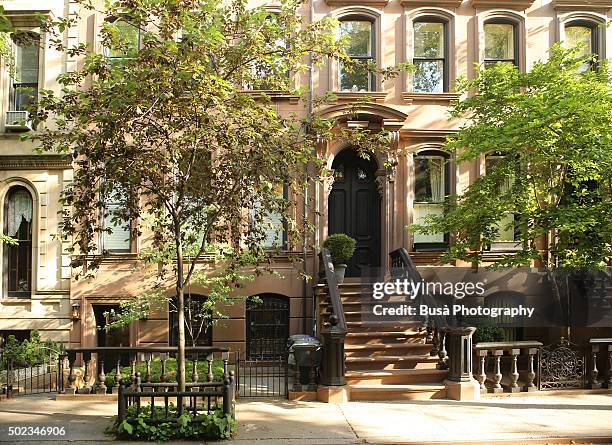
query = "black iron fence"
x=161 y=402
x=262 y=377
x=18 y=379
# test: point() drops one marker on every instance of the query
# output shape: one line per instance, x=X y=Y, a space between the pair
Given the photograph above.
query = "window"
x=24 y=85
x=267 y=326
x=505 y=225
x=274 y=226
x=584 y=35
x=359 y=36
x=126 y=43
x=18 y=213
x=118 y=238
x=198 y=321
x=431 y=186
x=501 y=43
x=263 y=70
x=430 y=57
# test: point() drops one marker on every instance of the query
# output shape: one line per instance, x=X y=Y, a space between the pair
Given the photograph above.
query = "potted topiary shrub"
x=341 y=248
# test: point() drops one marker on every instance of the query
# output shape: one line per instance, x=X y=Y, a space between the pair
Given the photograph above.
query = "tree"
x=551 y=129
x=159 y=121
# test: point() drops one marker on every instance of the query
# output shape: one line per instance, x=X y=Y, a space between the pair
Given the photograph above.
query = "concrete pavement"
x=532 y=419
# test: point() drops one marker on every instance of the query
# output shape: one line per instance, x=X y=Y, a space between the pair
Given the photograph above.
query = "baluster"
x=194 y=372
x=225 y=364
x=442 y=354
x=530 y=386
x=434 y=342
x=514 y=375
x=482 y=374
x=102 y=380
x=86 y=389
x=609 y=366
x=133 y=375
x=148 y=371
x=429 y=336
x=497 y=375
x=118 y=377
x=162 y=377
x=594 y=371
x=71 y=377
x=209 y=375
x=137 y=382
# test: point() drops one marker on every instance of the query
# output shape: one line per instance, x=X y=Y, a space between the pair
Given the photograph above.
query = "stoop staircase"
x=384 y=361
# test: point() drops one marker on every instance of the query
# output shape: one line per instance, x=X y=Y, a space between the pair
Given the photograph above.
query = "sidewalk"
x=581 y=418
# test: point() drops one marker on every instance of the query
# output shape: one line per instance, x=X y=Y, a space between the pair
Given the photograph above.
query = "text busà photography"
x=306 y=221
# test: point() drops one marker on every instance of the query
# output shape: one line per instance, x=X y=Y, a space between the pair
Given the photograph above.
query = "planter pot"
x=339 y=271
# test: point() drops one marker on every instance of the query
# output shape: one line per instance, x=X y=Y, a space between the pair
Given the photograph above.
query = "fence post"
x=332 y=363
x=227 y=396
x=122 y=408
x=460 y=384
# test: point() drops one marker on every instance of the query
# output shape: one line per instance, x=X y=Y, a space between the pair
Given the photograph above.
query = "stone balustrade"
x=514 y=380
x=103 y=359
x=600 y=347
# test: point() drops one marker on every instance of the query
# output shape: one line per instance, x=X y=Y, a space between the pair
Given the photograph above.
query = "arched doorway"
x=267 y=326
x=354 y=208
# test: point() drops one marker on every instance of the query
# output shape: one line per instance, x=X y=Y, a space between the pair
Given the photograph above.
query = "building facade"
x=372 y=201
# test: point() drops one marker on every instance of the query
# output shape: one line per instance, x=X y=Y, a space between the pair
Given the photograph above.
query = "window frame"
x=13 y=84
x=445 y=60
x=28 y=243
x=595 y=33
x=516 y=61
x=102 y=235
x=372 y=81
x=118 y=59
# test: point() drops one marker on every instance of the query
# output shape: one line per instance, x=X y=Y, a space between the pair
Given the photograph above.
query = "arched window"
x=267 y=326
x=430 y=55
x=198 y=321
x=359 y=34
x=501 y=38
x=584 y=34
x=18 y=214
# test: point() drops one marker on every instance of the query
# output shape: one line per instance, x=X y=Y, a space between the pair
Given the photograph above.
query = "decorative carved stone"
x=328 y=181
x=380 y=184
x=35 y=162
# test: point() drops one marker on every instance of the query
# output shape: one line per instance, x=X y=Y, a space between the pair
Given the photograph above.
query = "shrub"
x=206 y=426
x=171 y=370
x=489 y=333
x=341 y=247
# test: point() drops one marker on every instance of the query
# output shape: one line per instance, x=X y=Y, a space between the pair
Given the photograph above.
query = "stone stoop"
x=385 y=361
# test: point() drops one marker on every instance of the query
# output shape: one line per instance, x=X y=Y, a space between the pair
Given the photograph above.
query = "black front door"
x=354 y=208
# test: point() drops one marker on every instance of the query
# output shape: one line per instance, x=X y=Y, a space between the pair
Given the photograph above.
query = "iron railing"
x=333 y=330
x=34 y=379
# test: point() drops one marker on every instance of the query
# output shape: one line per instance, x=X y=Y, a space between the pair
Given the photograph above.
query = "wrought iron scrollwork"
x=562 y=366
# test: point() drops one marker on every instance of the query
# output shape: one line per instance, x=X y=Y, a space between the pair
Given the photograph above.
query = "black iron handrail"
x=337 y=317
x=401 y=262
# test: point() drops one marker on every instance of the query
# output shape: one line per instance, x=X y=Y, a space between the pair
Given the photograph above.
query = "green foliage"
x=6 y=48
x=29 y=352
x=171 y=370
x=488 y=333
x=341 y=247
x=553 y=127
x=204 y=426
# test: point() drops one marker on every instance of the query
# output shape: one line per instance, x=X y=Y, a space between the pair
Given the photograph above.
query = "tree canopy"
x=550 y=130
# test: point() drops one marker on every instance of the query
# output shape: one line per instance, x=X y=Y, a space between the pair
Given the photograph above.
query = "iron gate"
x=40 y=378
x=262 y=378
x=562 y=366
x=267 y=325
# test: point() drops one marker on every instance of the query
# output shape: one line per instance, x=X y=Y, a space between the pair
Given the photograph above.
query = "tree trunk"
x=180 y=356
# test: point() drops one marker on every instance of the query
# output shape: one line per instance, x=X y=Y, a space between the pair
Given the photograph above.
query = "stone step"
x=417 y=391
x=396 y=376
x=382 y=326
x=384 y=362
x=380 y=349
x=390 y=337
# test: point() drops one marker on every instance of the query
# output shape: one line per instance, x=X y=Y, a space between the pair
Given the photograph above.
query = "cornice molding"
x=360 y=96
x=35 y=162
x=429 y=134
x=274 y=95
x=582 y=5
x=374 y=3
x=509 y=4
x=430 y=98
x=21 y=18
x=452 y=4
